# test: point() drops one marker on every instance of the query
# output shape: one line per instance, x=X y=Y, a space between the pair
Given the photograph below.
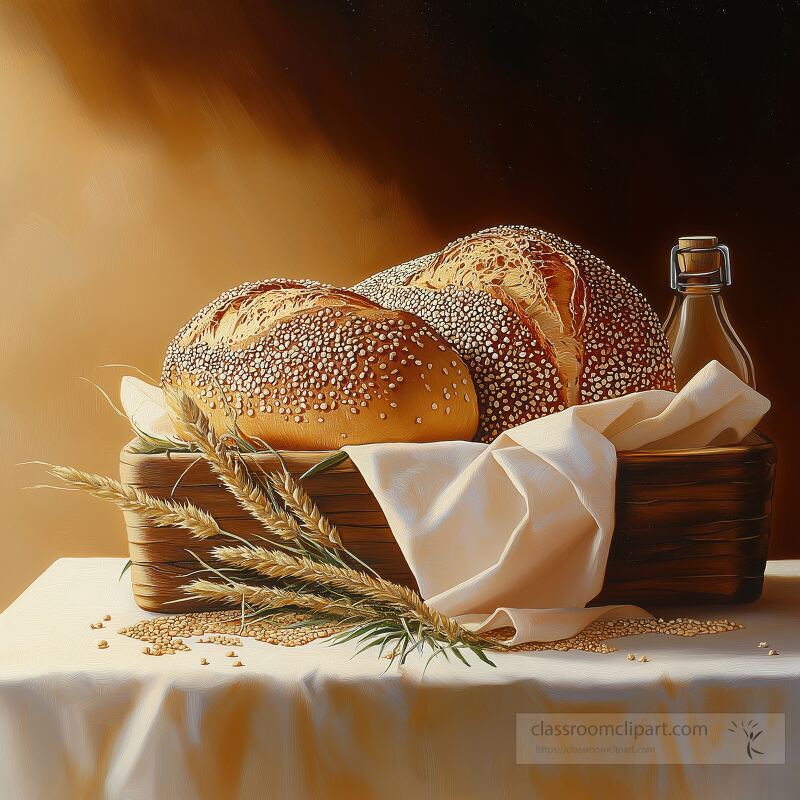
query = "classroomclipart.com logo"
x=651 y=739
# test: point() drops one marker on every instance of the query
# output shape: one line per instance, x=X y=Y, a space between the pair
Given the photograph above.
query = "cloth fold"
x=517 y=532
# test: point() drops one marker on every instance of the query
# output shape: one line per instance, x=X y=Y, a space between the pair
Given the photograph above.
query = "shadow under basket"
x=692 y=526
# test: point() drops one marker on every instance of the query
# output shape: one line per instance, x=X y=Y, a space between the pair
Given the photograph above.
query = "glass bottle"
x=697 y=326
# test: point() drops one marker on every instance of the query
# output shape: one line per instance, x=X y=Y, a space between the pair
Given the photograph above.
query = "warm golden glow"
x=116 y=228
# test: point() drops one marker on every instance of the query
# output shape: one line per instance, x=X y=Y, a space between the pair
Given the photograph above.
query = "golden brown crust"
x=542 y=285
x=541 y=323
x=305 y=366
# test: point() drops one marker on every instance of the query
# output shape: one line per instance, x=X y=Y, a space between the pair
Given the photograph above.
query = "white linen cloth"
x=316 y=722
x=146 y=408
x=517 y=532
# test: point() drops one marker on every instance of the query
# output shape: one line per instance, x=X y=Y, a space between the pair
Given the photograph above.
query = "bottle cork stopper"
x=698 y=262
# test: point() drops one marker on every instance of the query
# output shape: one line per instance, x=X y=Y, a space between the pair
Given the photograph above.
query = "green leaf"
x=481 y=655
x=437 y=651
x=389 y=638
x=402 y=643
x=324 y=465
x=454 y=648
x=375 y=641
x=355 y=632
x=436 y=646
x=127 y=566
x=411 y=642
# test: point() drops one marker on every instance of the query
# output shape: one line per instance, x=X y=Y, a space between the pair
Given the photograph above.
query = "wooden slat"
x=377 y=554
x=217 y=502
x=692 y=526
x=738 y=563
x=678 y=514
x=686 y=590
x=705 y=491
x=681 y=474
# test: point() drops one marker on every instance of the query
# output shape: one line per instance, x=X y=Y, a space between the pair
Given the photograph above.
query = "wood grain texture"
x=692 y=526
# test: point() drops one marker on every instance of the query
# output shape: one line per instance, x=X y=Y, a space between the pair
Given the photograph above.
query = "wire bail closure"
x=681 y=280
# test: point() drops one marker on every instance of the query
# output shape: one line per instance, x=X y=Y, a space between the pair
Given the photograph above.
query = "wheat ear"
x=249 y=494
x=304 y=508
x=268 y=597
x=276 y=564
x=160 y=512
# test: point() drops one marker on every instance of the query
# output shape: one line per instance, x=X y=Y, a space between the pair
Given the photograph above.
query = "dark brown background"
x=386 y=128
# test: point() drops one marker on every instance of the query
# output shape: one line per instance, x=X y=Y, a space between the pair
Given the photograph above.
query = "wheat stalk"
x=275 y=564
x=162 y=513
x=304 y=508
x=268 y=597
x=374 y=610
x=249 y=494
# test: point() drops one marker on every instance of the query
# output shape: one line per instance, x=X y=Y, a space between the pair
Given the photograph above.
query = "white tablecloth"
x=314 y=722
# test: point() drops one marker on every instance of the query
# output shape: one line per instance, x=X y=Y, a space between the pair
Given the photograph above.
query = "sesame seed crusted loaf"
x=541 y=323
x=305 y=366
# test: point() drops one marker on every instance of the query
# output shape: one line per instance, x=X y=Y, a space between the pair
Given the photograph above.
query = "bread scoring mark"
x=541 y=323
x=239 y=314
x=522 y=270
x=277 y=352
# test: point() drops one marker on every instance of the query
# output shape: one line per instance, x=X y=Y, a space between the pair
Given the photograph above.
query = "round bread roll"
x=305 y=366
x=541 y=323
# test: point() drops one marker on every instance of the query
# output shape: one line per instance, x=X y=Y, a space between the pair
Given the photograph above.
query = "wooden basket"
x=692 y=526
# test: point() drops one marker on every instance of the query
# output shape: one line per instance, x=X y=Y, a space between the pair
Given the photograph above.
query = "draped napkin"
x=516 y=532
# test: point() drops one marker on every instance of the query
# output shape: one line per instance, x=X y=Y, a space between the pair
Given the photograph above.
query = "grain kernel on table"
x=223 y=628
x=773 y=653
x=593 y=638
x=230 y=641
x=238 y=664
x=107 y=618
x=102 y=644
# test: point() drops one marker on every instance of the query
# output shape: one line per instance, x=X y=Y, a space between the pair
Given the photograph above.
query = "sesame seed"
x=622 y=346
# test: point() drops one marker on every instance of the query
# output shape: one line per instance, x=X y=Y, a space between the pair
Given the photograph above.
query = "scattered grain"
x=593 y=638
x=222 y=627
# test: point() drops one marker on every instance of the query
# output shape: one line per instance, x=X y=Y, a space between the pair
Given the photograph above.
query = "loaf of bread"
x=541 y=323
x=302 y=365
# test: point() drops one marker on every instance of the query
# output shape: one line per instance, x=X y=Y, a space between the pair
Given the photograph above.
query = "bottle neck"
x=700 y=290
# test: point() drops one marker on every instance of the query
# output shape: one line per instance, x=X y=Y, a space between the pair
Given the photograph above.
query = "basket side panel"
x=693 y=529
x=690 y=528
x=161 y=557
